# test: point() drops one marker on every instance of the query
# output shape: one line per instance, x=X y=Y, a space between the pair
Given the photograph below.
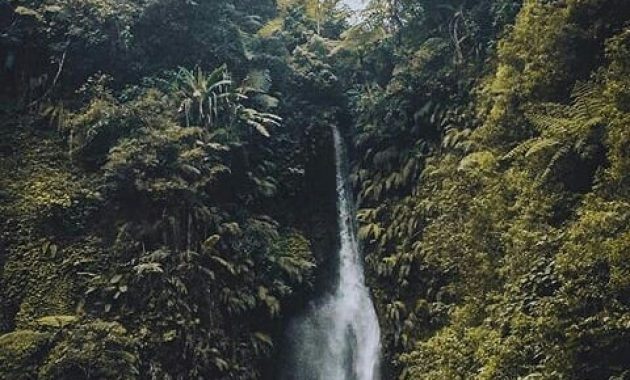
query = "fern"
x=563 y=129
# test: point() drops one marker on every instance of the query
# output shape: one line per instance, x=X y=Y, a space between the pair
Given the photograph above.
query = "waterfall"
x=339 y=337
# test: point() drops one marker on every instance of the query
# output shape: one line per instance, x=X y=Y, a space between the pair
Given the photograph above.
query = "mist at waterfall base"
x=338 y=337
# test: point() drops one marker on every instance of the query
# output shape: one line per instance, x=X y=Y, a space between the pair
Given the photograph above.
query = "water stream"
x=339 y=337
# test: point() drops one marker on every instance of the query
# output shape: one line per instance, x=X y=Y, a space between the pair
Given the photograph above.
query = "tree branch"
x=55 y=79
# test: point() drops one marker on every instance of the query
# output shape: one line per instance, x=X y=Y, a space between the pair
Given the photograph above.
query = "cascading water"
x=339 y=338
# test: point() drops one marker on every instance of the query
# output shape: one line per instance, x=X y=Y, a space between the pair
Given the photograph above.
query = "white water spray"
x=339 y=338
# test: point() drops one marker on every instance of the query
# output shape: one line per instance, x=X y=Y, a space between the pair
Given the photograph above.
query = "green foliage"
x=19 y=353
x=92 y=350
x=292 y=254
x=136 y=234
x=202 y=94
x=166 y=196
x=64 y=346
x=482 y=209
x=207 y=100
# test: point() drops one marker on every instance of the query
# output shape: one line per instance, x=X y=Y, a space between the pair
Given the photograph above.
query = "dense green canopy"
x=167 y=183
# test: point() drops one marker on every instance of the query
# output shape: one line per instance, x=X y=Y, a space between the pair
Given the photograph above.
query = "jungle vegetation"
x=167 y=183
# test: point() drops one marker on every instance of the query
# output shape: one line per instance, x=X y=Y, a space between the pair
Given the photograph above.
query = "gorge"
x=294 y=190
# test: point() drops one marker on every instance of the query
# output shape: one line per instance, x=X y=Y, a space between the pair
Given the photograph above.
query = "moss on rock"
x=21 y=352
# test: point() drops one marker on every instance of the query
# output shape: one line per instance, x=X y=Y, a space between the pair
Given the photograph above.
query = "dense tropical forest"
x=168 y=198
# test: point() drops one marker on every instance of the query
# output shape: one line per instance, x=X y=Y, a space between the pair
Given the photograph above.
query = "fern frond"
x=540 y=144
x=555 y=159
